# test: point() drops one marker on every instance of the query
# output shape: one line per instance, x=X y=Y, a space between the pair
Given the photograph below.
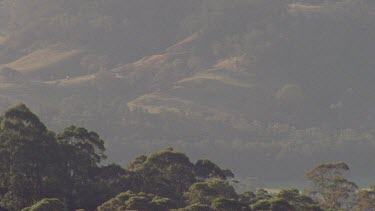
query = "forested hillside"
x=268 y=88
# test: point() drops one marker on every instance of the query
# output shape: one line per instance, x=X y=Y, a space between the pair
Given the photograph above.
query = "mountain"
x=268 y=87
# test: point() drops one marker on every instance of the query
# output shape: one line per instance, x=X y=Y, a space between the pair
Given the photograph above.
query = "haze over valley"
x=267 y=88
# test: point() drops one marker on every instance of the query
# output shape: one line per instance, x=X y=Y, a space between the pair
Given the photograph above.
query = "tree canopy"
x=43 y=171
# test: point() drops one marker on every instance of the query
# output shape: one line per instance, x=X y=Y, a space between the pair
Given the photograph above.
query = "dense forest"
x=267 y=88
x=41 y=170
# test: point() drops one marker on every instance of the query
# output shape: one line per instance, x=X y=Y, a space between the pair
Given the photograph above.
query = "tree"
x=167 y=173
x=35 y=163
x=47 y=205
x=365 y=200
x=225 y=204
x=137 y=162
x=88 y=146
x=159 y=203
x=261 y=205
x=262 y=194
x=117 y=202
x=206 y=192
x=247 y=197
x=274 y=204
x=281 y=205
x=330 y=185
x=195 y=207
x=298 y=200
x=206 y=169
x=29 y=158
x=140 y=201
x=86 y=182
x=113 y=179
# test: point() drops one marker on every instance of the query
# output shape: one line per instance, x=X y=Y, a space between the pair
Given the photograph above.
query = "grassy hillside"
x=268 y=87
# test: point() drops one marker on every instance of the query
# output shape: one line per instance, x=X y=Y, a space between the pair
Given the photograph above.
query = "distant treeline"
x=41 y=170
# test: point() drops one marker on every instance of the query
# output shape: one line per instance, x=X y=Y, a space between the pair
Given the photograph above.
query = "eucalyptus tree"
x=28 y=159
x=167 y=173
x=331 y=187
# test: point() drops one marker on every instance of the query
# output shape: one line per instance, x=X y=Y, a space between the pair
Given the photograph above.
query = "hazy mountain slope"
x=268 y=87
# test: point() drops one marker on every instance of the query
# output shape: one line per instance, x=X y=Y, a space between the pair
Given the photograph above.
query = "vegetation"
x=43 y=171
x=47 y=205
x=266 y=88
x=281 y=84
x=334 y=189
